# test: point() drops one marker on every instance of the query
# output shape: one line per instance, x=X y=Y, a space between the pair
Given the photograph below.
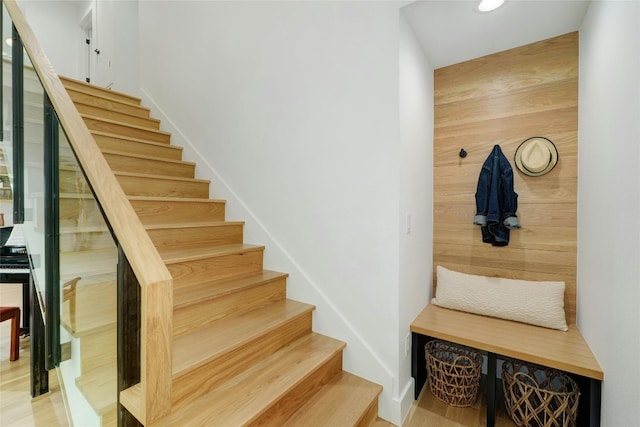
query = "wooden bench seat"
x=565 y=351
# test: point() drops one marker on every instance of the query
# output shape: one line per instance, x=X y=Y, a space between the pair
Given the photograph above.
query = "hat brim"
x=553 y=156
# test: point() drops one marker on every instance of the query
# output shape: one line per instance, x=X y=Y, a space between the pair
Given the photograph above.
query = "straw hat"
x=536 y=156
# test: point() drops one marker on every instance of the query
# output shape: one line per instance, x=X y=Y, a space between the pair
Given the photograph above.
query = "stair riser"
x=158 y=187
x=114 y=143
x=79 y=212
x=99 y=350
x=83 y=241
x=33 y=112
x=127 y=131
x=123 y=163
x=73 y=182
x=101 y=392
x=161 y=212
x=90 y=312
x=73 y=264
x=186 y=319
x=296 y=398
x=105 y=103
x=214 y=268
x=196 y=237
x=99 y=91
x=207 y=376
x=370 y=415
x=117 y=116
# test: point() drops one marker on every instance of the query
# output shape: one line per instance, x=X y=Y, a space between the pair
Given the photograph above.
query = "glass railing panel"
x=33 y=226
x=88 y=275
x=6 y=144
x=87 y=258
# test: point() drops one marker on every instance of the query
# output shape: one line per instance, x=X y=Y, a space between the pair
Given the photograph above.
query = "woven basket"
x=536 y=396
x=453 y=372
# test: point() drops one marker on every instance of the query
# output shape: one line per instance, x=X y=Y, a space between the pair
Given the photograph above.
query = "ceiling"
x=453 y=31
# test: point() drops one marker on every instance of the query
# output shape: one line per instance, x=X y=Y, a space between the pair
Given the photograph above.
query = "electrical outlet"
x=407 y=344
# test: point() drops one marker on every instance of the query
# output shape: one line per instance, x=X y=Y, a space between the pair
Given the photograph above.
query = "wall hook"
x=463 y=153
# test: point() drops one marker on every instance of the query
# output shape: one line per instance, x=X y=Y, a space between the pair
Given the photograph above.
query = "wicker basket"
x=539 y=396
x=453 y=372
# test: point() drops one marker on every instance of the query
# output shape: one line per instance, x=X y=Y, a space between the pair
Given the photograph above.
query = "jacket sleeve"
x=510 y=197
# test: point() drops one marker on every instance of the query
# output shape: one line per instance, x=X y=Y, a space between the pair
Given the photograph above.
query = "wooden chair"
x=12 y=313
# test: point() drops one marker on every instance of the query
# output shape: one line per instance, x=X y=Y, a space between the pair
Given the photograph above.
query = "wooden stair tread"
x=189 y=295
x=95 y=308
x=170 y=256
x=69 y=229
x=192 y=224
x=163 y=177
x=80 y=95
x=71 y=82
x=163 y=209
x=241 y=399
x=123 y=124
x=144 y=157
x=95 y=262
x=133 y=139
x=205 y=344
x=99 y=387
x=118 y=113
x=342 y=401
x=175 y=199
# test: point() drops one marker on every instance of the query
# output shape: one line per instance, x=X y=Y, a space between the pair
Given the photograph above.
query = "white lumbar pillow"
x=536 y=303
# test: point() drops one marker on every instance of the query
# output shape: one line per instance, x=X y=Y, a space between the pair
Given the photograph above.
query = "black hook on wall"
x=463 y=153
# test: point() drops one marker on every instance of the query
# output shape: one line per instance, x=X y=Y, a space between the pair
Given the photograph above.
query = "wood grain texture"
x=108 y=141
x=243 y=398
x=83 y=95
x=196 y=235
x=504 y=99
x=138 y=184
x=96 y=123
x=566 y=351
x=107 y=113
x=149 y=268
x=328 y=408
x=100 y=92
x=128 y=162
x=157 y=210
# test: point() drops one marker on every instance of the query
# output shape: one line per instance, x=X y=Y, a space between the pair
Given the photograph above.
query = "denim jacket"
x=496 y=200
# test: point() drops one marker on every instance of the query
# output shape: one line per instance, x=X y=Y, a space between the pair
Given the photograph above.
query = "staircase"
x=242 y=352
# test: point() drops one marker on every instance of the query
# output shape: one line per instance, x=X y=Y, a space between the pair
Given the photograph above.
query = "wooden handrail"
x=154 y=390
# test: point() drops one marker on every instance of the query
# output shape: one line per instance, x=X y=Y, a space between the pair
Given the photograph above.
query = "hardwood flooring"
x=17 y=408
x=428 y=411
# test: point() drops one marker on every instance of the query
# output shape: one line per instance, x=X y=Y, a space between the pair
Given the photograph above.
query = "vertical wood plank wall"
x=504 y=99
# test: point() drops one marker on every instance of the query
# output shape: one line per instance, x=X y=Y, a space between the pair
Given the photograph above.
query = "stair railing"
x=149 y=399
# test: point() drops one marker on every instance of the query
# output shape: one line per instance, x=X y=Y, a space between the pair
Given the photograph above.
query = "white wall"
x=416 y=195
x=609 y=202
x=115 y=34
x=292 y=109
x=55 y=24
x=58 y=27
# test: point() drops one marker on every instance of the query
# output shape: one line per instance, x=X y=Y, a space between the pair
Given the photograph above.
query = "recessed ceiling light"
x=489 y=5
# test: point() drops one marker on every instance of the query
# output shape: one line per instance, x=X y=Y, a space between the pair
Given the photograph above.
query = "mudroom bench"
x=500 y=339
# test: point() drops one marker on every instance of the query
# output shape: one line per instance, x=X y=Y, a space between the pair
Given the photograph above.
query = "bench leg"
x=491 y=389
x=418 y=362
x=595 y=402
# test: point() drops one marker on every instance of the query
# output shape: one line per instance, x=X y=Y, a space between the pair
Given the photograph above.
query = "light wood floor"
x=429 y=411
x=17 y=408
